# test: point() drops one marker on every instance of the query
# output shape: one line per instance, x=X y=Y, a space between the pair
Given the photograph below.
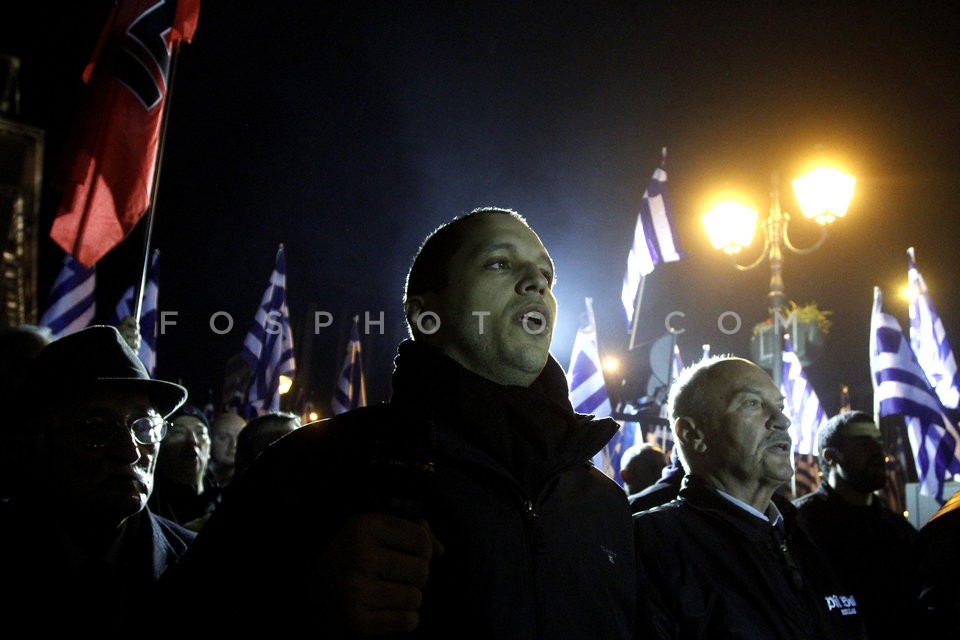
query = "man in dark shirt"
x=870 y=548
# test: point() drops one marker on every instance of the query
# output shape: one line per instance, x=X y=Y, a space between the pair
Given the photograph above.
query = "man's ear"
x=686 y=430
x=420 y=317
x=412 y=308
x=831 y=456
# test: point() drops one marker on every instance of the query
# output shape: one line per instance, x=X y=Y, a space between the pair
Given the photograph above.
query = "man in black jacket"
x=80 y=551
x=872 y=549
x=464 y=507
x=726 y=559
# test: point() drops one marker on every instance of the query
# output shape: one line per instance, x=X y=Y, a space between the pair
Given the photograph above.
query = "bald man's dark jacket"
x=716 y=571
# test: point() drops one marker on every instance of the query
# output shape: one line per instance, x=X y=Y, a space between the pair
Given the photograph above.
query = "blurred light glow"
x=611 y=364
x=824 y=194
x=730 y=226
x=285 y=384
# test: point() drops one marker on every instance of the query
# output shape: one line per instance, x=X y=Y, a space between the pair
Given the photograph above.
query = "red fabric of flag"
x=111 y=156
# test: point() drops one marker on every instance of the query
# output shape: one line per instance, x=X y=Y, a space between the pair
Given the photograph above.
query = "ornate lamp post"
x=823 y=194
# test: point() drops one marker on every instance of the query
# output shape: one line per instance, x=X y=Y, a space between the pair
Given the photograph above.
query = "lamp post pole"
x=823 y=194
x=775 y=227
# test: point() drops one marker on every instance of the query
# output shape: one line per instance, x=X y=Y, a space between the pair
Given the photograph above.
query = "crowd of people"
x=466 y=506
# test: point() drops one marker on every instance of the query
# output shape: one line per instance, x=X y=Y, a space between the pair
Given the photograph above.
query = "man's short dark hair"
x=429 y=270
x=830 y=434
x=194 y=412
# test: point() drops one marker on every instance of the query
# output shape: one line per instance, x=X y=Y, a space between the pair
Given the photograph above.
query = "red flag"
x=111 y=158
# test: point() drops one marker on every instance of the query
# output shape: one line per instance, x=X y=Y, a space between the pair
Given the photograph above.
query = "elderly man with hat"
x=80 y=548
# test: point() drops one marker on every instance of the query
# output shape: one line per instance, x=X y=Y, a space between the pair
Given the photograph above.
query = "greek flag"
x=72 y=301
x=351 y=389
x=900 y=387
x=268 y=347
x=588 y=391
x=801 y=403
x=929 y=340
x=148 y=315
x=655 y=239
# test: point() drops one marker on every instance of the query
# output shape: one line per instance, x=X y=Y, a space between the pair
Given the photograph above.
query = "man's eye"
x=498 y=264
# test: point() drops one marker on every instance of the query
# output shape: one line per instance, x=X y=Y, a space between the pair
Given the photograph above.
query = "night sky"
x=347 y=131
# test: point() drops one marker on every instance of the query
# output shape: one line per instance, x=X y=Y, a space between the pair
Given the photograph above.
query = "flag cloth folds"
x=351 y=390
x=800 y=403
x=929 y=339
x=900 y=387
x=802 y=406
x=655 y=239
x=111 y=156
x=268 y=347
x=588 y=391
x=72 y=303
x=148 y=315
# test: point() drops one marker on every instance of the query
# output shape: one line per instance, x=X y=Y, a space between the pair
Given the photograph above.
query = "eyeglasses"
x=98 y=432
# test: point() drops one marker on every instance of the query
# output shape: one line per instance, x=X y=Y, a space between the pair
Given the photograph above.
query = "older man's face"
x=749 y=441
x=96 y=465
x=498 y=309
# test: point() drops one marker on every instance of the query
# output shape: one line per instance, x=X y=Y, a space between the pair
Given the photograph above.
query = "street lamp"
x=823 y=194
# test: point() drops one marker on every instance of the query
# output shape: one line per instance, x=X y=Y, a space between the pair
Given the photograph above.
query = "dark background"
x=347 y=131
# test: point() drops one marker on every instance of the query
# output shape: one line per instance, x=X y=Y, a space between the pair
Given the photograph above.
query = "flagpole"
x=158 y=164
x=636 y=306
x=636 y=314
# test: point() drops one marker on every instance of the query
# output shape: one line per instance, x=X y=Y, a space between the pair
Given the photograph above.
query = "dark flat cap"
x=98 y=358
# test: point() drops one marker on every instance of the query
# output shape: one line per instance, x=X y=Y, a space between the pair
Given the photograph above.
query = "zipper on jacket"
x=536 y=528
x=796 y=577
x=539 y=546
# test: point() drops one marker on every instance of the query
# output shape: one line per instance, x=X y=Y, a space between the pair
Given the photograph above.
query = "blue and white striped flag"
x=800 y=403
x=72 y=303
x=588 y=390
x=351 y=390
x=929 y=340
x=268 y=347
x=900 y=387
x=655 y=239
x=148 y=315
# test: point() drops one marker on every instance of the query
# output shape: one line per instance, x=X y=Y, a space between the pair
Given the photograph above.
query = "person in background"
x=664 y=489
x=261 y=432
x=225 y=428
x=640 y=466
x=80 y=550
x=872 y=549
x=726 y=559
x=467 y=506
x=185 y=489
x=939 y=565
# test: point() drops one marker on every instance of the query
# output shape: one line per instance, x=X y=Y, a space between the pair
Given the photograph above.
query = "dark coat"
x=52 y=589
x=538 y=543
x=715 y=571
x=939 y=551
x=873 y=551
